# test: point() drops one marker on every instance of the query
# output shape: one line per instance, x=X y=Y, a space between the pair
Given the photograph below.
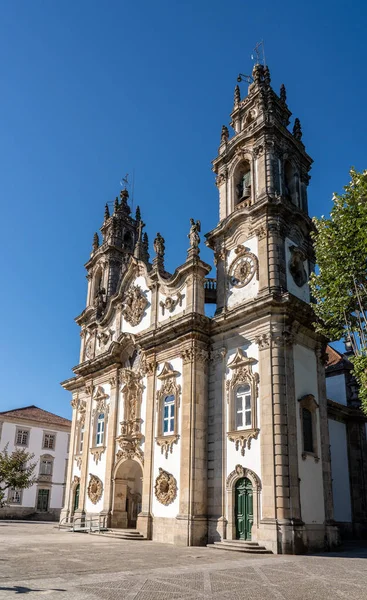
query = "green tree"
x=16 y=471
x=340 y=286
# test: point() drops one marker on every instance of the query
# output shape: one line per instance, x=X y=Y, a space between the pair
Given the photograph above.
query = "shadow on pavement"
x=18 y=589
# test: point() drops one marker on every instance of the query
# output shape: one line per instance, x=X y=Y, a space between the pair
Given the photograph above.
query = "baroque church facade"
x=194 y=429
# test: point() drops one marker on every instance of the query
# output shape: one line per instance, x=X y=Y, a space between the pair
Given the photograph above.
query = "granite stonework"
x=195 y=429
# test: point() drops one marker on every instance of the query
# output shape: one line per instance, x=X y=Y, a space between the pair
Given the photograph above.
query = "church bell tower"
x=263 y=336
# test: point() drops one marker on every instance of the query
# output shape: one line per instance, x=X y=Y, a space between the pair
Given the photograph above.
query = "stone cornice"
x=268 y=207
x=193 y=326
x=344 y=413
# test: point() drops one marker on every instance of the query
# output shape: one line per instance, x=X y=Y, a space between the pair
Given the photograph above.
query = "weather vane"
x=125 y=181
x=259 y=57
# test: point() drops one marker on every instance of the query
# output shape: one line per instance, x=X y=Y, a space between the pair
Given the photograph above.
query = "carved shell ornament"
x=243 y=268
x=95 y=489
x=165 y=487
x=134 y=305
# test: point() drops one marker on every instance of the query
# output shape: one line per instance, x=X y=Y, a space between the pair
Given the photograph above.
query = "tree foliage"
x=340 y=287
x=16 y=471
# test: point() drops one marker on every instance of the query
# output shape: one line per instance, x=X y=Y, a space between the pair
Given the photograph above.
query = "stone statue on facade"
x=193 y=235
x=159 y=246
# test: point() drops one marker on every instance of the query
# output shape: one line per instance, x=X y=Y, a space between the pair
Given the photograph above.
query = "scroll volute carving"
x=130 y=439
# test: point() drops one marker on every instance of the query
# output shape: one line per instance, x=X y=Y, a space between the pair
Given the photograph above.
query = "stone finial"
x=193 y=235
x=106 y=212
x=116 y=204
x=139 y=249
x=297 y=131
x=267 y=78
x=283 y=93
x=95 y=241
x=137 y=214
x=258 y=74
x=159 y=246
x=237 y=95
x=224 y=134
x=146 y=246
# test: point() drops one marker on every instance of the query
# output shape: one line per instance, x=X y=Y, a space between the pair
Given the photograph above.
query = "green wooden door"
x=76 y=497
x=244 y=509
x=42 y=500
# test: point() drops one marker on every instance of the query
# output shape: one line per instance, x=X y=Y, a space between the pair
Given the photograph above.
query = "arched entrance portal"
x=127 y=494
x=244 y=512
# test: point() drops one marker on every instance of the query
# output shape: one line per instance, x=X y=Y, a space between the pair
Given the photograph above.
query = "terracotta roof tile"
x=33 y=413
x=335 y=358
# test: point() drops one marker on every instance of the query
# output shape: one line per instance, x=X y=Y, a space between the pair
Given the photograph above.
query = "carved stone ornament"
x=134 y=305
x=79 y=461
x=169 y=304
x=129 y=449
x=97 y=453
x=75 y=482
x=100 y=399
x=242 y=439
x=165 y=487
x=296 y=266
x=89 y=349
x=242 y=374
x=243 y=268
x=95 y=489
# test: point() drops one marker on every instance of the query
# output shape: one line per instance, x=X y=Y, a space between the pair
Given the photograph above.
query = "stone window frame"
x=239 y=472
x=47 y=432
x=309 y=402
x=46 y=476
x=101 y=406
x=23 y=429
x=241 y=365
x=12 y=491
x=169 y=387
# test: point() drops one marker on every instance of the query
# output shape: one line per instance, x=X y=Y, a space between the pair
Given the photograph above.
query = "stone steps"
x=121 y=534
x=239 y=546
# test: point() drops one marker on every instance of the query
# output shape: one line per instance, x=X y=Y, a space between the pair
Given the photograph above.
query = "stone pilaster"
x=89 y=388
x=191 y=522
x=144 y=522
x=217 y=436
x=111 y=444
x=67 y=510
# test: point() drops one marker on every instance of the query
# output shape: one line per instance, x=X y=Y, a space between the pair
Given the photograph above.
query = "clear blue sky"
x=92 y=90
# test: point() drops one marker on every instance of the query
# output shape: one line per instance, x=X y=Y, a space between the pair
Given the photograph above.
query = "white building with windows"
x=47 y=436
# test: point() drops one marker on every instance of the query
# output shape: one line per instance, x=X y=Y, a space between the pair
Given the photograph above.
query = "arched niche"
x=127 y=493
x=291 y=183
x=242 y=183
x=238 y=473
x=128 y=242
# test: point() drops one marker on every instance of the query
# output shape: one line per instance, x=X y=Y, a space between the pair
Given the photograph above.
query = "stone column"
x=191 y=522
x=144 y=521
x=111 y=446
x=89 y=388
x=276 y=256
x=217 y=437
x=68 y=508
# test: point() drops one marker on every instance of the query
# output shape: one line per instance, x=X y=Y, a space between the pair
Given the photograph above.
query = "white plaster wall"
x=336 y=389
x=340 y=471
x=35 y=441
x=239 y=295
x=252 y=458
x=310 y=472
x=145 y=322
x=301 y=292
x=171 y=464
x=177 y=310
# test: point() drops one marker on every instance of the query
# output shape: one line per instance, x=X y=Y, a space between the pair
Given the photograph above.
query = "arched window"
x=307 y=430
x=291 y=183
x=243 y=407
x=81 y=439
x=128 y=241
x=243 y=183
x=168 y=403
x=100 y=430
x=169 y=415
